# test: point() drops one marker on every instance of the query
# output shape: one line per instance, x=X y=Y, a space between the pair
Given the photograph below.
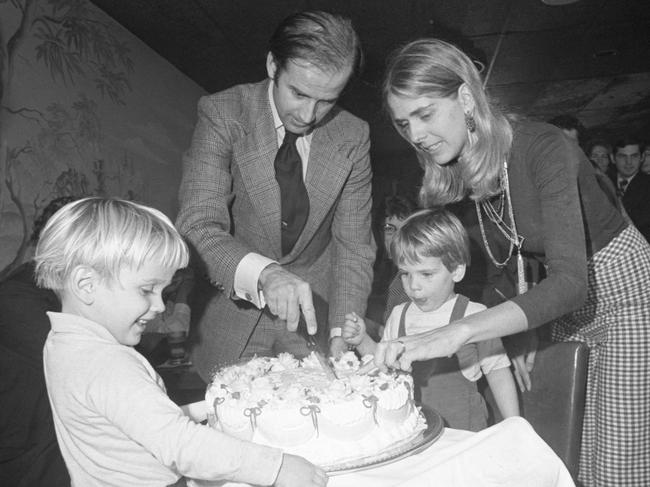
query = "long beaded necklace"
x=509 y=231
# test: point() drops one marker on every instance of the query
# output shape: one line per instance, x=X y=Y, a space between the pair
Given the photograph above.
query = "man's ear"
x=83 y=283
x=466 y=99
x=271 y=66
x=458 y=273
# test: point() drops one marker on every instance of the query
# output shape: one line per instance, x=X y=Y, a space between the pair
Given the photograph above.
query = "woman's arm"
x=504 y=319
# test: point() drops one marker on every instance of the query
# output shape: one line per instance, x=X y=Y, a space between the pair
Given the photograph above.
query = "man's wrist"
x=264 y=273
x=336 y=331
x=337 y=338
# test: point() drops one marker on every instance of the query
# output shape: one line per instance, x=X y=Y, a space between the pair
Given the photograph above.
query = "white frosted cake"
x=290 y=404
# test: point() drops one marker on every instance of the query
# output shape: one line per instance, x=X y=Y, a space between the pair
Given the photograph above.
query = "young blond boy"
x=431 y=252
x=108 y=260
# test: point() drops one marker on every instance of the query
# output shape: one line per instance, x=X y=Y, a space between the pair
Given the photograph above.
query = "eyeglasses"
x=389 y=229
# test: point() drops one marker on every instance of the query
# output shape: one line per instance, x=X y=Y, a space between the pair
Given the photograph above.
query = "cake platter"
x=397 y=451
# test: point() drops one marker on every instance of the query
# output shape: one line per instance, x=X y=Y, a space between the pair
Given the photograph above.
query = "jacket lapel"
x=633 y=195
x=327 y=169
x=255 y=157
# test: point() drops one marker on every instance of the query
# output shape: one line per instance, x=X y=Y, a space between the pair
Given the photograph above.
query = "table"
x=508 y=454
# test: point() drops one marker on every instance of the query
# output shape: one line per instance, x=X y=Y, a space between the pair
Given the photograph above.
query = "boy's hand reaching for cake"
x=298 y=472
x=353 y=330
x=354 y=333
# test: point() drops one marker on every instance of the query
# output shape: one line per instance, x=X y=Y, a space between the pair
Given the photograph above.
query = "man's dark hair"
x=399 y=206
x=591 y=143
x=326 y=40
x=628 y=140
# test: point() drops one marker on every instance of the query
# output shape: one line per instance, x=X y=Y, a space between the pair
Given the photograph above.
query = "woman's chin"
x=437 y=158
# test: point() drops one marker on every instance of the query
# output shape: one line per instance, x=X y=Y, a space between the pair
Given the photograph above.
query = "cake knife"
x=314 y=346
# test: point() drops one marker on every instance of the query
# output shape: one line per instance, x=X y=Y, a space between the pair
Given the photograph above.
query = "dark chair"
x=555 y=405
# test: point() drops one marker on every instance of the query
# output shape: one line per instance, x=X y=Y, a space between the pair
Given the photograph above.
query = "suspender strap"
x=402 y=321
x=460 y=307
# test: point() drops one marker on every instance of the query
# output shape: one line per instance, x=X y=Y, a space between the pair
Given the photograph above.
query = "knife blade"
x=314 y=346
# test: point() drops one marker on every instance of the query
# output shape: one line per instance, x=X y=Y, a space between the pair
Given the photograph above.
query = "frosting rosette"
x=289 y=403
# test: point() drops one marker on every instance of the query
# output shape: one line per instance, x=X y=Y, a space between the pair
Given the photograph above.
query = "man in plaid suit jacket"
x=230 y=201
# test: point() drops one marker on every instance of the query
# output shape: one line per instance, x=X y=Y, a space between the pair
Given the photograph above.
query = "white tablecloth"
x=508 y=454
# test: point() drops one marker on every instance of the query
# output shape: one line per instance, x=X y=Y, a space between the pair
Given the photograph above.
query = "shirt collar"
x=69 y=323
x=628 y=179
x=277 y=122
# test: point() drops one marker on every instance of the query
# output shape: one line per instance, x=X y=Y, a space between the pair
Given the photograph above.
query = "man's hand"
x=287 y=296
x=337 y=347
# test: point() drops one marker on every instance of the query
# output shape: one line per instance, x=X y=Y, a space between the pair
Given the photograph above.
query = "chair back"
x=555 y=405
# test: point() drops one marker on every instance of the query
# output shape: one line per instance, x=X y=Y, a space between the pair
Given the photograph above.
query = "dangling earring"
x=470 y=123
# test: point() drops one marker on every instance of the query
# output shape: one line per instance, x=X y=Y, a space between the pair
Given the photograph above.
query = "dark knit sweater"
x=562 y=213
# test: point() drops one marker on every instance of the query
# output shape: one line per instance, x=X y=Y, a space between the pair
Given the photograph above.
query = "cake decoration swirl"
x=290 y=403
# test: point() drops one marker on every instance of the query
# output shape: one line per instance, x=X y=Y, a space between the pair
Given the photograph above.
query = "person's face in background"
x=391 y=225
x=303 y=93
x=627 y=160
x=600 y=157
x=645 y=166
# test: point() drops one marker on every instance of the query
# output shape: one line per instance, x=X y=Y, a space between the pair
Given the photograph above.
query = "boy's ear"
x=459 y=272
x=83 y=283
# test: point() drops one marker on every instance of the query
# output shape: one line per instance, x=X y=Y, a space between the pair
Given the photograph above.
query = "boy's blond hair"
x=107 y=234
x=431 y=233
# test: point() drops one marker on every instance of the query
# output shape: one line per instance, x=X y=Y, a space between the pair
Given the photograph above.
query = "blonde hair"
x=106 y=234
x=434 y=68
x=431 y=233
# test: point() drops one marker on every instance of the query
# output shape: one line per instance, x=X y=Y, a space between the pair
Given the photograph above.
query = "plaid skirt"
x=615 y=324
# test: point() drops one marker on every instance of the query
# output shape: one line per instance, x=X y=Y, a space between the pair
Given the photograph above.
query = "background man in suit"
x=633 y=185
x=266 y=270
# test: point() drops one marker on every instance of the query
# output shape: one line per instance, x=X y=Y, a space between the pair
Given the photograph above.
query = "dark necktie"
x=622 y=184
x=293 y=194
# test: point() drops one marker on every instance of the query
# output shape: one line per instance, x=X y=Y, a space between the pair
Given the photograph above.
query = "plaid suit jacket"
x=230 y=206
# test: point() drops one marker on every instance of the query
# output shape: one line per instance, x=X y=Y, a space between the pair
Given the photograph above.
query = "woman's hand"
x=522 y=348
x=400 y=353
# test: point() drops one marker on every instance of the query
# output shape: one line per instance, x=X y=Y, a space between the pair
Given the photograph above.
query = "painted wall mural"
x=85 y=109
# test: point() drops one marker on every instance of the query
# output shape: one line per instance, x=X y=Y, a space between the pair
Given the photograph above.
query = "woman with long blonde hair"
x=536 y=197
